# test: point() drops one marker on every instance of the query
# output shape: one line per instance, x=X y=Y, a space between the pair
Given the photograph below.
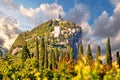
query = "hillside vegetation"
x=56 y=65
x=46 y=30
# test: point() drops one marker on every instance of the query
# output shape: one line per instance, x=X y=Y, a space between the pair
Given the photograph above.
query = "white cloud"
x=15 y=17
x=87 y=32
x=117 y=9
x=109 y=26
x=116 y=42
x=9 y=29
x=78 y=14
x=28 y=12
x=8 y=1
x=47 y=10
x=42 y=13
x=115 y=2
x=9 y=25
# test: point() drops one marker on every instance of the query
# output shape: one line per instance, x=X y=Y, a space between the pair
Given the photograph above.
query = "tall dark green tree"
x=118 y=58
x=37 y=49
x=89 y=54
x=37 y=52
x=108 y=52
x=42 y=52
x=25 y=53
x=81 y=52
x=67 y=53
x=53 y=60
x=98 y=55
x=46 y=58
x=50 y=59
x=56 y=55
x=60 y=55
x=70 y=52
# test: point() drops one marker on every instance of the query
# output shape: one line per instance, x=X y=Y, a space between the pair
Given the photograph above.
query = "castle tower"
x=57 y=30
x=59 y=18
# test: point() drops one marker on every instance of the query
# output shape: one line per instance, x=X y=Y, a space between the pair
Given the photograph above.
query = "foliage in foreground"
x=58 y=65
x=66 y=70
x=29 y=70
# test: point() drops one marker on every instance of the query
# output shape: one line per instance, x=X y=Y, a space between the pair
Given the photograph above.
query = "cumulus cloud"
x=9 y=29
x=116 y=42
x=87 y=32
x=28 y=12
x=115 y=2
x=1 y=41
x=78 y=14
x=16 y=18
x=9 y=24
x=109 y=26
x=9 y=8
x=104 y=26
x=43 y=13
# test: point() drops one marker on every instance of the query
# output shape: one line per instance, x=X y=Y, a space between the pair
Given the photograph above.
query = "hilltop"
x=58 y=32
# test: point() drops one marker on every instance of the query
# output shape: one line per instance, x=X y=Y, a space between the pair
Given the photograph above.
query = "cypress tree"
x=53 y=60
x=37 y=52
x=80 y=53
x=42 y=52
x=98 y=55
x=56 y=55
x=37 y=49
x=108 y=52
x=46 y=58
x=118 y=58
x=66 y=54
x=71 y=55
x=25 y=53
x=89 y=54
x=70 y=52
x=50 y=59
x=61 y=55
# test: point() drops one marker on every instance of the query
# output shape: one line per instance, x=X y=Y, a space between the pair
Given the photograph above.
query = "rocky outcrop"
x=16 y=50
x=75 y=40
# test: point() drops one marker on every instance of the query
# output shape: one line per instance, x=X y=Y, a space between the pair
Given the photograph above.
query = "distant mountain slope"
x=58 y=32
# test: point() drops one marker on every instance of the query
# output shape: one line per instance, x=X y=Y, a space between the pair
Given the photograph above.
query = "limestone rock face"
x=16 y=50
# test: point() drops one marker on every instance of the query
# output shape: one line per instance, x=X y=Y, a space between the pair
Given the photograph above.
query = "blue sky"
x=99 y=19
x=96 y=7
